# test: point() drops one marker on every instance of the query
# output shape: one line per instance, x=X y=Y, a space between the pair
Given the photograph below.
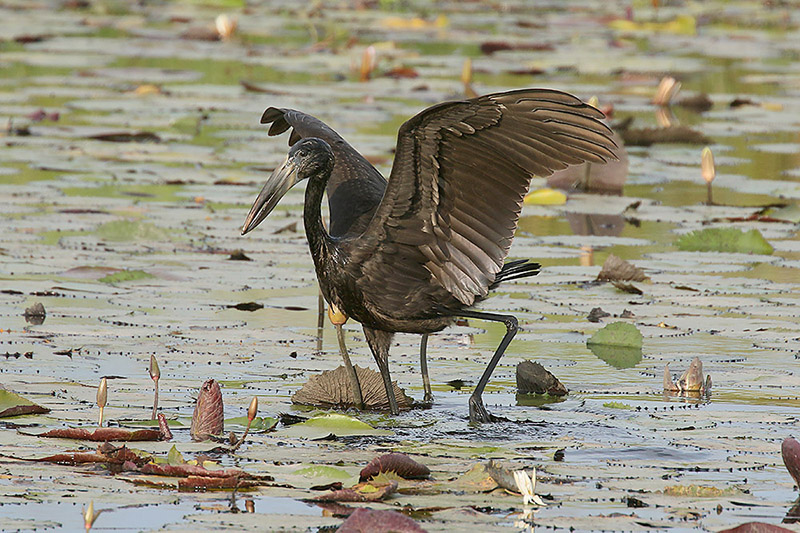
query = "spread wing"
x=460 y=173
x=355 y=187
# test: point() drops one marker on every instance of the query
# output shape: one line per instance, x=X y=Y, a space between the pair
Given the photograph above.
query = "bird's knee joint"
x=512 y=324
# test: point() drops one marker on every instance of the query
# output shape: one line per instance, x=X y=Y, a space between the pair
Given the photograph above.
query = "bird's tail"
x=521 y=268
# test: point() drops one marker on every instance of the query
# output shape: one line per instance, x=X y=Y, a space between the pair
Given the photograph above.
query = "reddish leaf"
x=103 y=434
x=186 y=470
x=362 y=492
x=105 y=453
x=207 y=419
x=163 y=428
x=204 y=483
x=399 y=463
x=490 y=47
x=379 y=521
x=790 y=450
x=401 y=72
x=757 y=527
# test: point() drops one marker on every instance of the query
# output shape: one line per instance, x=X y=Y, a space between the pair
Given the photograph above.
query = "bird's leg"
x=379 y=342
x=423 y=366
x=338 y=319
x=477 y=412
x=320 y=320
x=351 y=371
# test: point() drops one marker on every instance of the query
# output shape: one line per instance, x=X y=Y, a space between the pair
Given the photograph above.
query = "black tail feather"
x=521 y=268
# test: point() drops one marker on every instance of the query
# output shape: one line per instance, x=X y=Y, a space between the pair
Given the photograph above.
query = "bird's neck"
x=318 y=238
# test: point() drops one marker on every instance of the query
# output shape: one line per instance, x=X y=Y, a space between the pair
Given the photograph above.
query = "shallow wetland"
x=131 y=151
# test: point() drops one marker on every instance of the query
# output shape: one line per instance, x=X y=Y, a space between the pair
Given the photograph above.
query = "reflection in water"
x=617 y=356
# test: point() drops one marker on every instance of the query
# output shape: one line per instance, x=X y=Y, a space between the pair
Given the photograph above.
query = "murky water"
x=127 y=245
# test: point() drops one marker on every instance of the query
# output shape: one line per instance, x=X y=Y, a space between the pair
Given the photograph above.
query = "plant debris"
x=533 y=378
x=399 y=463
x=332 y=389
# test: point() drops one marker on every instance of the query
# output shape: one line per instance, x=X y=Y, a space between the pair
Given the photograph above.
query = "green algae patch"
x=132 y=230
x=724 y=240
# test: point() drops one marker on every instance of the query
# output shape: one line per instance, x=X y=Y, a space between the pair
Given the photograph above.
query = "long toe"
x=477 y=412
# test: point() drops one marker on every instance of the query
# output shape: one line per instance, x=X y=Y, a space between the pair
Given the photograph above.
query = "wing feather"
x=451 y=206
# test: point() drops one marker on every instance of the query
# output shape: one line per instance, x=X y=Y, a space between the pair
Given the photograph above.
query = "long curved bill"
x=281 y=180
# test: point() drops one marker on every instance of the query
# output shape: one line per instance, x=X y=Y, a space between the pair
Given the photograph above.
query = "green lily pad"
x=259 y=423
x=322 y=471
x=12 y=404
x=125 y=275
x=617 y=356
x=725 y=240
x=617 y=334
x=332 y=424
x=174 y=457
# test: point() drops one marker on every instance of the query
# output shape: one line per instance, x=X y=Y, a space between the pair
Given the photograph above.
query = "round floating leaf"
x=259 y=423
x=617 y=334
x=332 y=424
x=730 y=240
x=617 y=356
x=322 y=471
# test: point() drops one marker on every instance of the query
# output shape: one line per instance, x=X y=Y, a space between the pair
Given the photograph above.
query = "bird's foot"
x=478 y=413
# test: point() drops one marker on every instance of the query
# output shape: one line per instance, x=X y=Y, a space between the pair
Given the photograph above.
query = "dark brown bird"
x=436 y=243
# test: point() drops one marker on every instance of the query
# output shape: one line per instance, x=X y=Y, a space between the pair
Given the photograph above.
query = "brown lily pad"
x=379 y=521
x=671 y=134
x=331 y=389
x=790 y=451
x=207 y=483
x=207 y=418
x=361 y=492
x=101 y=434
x=399 y=463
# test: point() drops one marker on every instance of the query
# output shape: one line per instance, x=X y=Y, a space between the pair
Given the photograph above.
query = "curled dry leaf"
x=112 y=455
x=617 y=269
x=790 y=451
x=12 y=404
x=361 y=492
x=692 y=378
x=379 y=520
x=399 y=463
x=163 y=427
x=207 y=418
x=533 y=378
x=332 y=389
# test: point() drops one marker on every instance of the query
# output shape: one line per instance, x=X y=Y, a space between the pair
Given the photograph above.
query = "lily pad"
x=332 y=424
x=12 y=404
x=259 y=423
x=725 y=240
x=617 y=356
x=617 y=334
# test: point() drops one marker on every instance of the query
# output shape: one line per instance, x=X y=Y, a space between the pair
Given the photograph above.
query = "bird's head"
x=307 y=158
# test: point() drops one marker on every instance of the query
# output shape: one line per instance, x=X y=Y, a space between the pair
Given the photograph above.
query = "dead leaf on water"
x=331 y=389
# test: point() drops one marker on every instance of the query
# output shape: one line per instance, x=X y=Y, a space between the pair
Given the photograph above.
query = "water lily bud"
x=593 y=101
x=367 y=63
x=336 y=317
x=466 y=72
x=226 y=26
x=666 y=91
x=102 y=393
x=155 y=372
x=89 y=516
x=707 y=168
x=252 y=411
